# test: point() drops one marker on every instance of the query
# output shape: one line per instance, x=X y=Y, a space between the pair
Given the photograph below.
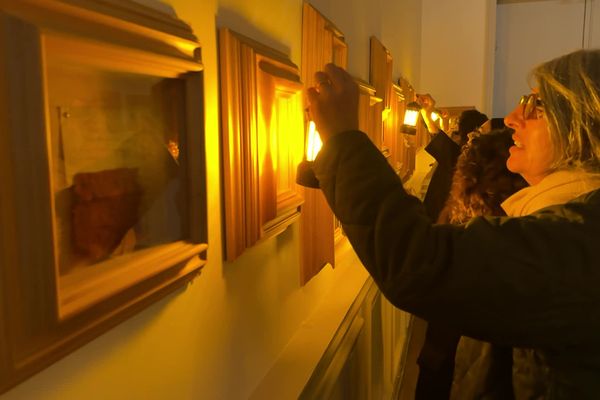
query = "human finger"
x=338 y=76
x=313 y=95
x=322 y=81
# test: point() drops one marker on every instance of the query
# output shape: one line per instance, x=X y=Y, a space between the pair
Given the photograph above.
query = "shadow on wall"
x=228 y=18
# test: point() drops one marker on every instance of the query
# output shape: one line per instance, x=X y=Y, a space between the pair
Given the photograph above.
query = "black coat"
x=446 y=152
x=530 y=282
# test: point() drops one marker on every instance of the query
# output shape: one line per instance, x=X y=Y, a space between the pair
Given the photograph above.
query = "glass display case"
x=104 y=198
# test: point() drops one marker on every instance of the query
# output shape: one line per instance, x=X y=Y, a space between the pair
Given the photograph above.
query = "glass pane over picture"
x=118 y=161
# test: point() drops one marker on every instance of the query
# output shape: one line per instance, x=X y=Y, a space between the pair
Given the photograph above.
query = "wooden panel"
x=322 y=43
x=393 y=138
x=370 y=108
x=52 y=299
x=380 y=71
x=391 y=95
x=352 y=365
x=262 y=130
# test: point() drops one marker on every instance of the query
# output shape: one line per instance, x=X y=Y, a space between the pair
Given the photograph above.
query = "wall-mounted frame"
x=380 y=76
x=393 y=139
x=370 y=108
x=263 y=141
x=380 y=71
x=103 y=205
x=450 y=116
x=322 y=43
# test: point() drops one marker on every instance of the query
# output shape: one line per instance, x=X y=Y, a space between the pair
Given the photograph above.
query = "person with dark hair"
x=481 y=182
x=436 y=359
x=445 y=151
x=529 y=280
x=492 y=124
x=468 y=121
x=480 y=185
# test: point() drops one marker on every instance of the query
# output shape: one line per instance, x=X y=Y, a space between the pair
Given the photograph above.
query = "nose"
x=514 y=119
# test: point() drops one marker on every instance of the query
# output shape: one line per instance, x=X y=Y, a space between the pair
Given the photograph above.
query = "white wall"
x=401 y=34
x=529 y=33
x=456 y=58
x=219 y=337
x=397 y=24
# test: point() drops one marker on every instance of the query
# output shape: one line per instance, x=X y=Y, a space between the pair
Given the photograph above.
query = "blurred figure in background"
x=474 y=369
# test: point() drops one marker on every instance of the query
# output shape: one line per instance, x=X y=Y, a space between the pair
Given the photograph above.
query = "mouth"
x=518 y=144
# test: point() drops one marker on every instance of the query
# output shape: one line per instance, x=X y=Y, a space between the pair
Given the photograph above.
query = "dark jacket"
x=531 y=282
x=436 y=359
x=446 y=152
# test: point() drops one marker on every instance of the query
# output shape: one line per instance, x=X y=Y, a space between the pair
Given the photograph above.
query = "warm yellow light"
x=435 y=116
x=384 y=114
x=314 y=143
x=410 y=117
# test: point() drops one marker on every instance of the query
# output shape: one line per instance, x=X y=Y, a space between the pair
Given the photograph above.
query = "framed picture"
x=322 y=43
x=104 y=198
x=263 y=141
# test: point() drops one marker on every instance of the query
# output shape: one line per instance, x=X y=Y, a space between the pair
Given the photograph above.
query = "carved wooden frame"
x=322 y=43
x=380 y=76
x=395 y=146
x=370 y=108
x=45 y=314
x=259 y=85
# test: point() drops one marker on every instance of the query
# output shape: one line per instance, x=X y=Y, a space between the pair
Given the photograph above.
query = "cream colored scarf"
x=557 y=188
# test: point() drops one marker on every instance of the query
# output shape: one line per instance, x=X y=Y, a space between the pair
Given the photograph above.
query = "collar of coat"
x=557 y=188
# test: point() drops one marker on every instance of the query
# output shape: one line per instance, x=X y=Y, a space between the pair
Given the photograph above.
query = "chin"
x=512 y=166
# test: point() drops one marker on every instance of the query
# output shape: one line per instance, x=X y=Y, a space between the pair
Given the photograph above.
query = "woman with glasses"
x=530 y=280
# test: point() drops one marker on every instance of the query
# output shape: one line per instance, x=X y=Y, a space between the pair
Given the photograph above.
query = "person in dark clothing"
x=436 y=359
x=481 y=182
x=529 y=280
x=491 y=125
x=445 y=151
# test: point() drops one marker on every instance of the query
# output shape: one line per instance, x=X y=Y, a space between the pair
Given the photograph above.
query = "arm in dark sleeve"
x=446 y=153
x=443 y=149
x=497 y=279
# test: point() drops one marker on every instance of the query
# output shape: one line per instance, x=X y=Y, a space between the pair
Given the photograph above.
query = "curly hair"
x=468 y=121
x=481 y=181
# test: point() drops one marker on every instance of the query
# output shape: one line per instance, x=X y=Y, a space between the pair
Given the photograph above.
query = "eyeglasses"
x=532 y=106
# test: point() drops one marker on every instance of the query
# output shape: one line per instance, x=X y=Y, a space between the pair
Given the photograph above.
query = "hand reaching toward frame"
x=333 y=102
x=427 y=103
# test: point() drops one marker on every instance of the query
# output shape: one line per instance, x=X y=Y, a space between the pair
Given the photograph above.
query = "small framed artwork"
x=263 y=141
x=322 y=43
x=104 y=206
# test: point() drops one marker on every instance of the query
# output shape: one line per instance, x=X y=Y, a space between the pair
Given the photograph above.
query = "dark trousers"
x=436 y=363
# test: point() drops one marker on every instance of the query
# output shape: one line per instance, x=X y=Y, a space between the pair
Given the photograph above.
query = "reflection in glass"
x=116 y=142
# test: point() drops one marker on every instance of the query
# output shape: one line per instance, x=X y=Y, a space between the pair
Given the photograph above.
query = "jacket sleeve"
x=505 y=280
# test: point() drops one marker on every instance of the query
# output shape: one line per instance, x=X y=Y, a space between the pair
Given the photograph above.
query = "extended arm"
x=506 y=280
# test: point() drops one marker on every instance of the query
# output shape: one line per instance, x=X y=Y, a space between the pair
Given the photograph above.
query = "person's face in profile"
x=532 y=153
